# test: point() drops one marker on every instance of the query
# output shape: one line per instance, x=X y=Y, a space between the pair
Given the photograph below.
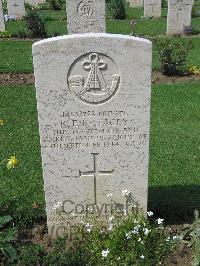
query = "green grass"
x=175 y=147
x=174 y=153
x=23 y=186
x=17 y=56
x=192 y=59
x=145 y=27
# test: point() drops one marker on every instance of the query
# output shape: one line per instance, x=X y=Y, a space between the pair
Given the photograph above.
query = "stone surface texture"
x=152 y=8
x=93 y=97
x=2 y=24
x=85 y=16
x=16 y=8
x=35 y=2
x=179 y=16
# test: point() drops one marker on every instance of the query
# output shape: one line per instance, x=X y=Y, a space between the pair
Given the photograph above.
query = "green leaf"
x=4 y=220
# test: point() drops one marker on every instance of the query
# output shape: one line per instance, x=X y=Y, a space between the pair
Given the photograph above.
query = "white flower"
x=105 y=253
x=134 y=232
x=109 y=195
x=125 y=192
x=150 y=213
x=88 y=226
x=89 y=230
x=137 y=227
x=128 y=235
x=168 y=238
x=125 y=212
x=160 y=221
x=133 y=205
x=177 y=237
x=146 y=231
x=111 y=218
x=142 y=257
x=58 y=205
x=110 y=227
x=139 y=239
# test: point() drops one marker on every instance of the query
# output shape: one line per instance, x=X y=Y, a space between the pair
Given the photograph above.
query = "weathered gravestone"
x=16 y=8
x=152 y=8
x=86 y=16
x=93 y=96
x=136 y=3
x=2 y=24
x=179 y=16
x=35 y=2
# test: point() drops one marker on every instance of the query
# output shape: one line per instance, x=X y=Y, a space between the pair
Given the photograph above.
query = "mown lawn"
x=17 y=55
x=174 y=151
x=57 y=23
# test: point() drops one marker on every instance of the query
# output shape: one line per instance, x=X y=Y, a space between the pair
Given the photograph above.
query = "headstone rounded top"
x=90 y=36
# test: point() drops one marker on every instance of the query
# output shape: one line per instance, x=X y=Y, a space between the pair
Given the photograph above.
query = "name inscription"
x=92 y=129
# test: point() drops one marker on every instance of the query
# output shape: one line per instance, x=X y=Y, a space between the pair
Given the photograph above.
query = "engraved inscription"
x=85 y=10
x=96 y=173
x=94 y=78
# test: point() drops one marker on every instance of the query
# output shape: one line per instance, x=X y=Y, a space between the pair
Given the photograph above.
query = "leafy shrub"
x=192 y=238
x=55 y=4
x=35 y=24
x=173 y=55
x=164 y=3
x=122 y=240
x=117 y=9
x=4 y=34
x=22 y=34
x=32 y=255
x=7 y=251
x=28 y=6
x=189 y=30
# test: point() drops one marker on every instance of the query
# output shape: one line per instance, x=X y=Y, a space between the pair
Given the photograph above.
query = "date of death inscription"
x=92 y=129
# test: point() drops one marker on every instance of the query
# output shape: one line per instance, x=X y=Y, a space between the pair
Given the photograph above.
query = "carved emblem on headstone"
x=85 y=9
x=94 y=78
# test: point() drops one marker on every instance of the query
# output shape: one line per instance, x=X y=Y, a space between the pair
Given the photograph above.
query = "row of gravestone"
x=93 y=100
x=179 y=13
x=15 y=8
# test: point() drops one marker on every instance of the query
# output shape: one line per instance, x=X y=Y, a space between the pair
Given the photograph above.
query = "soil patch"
x=28 y=78
x=180 y=257
x=17 y=79
x=158 y=77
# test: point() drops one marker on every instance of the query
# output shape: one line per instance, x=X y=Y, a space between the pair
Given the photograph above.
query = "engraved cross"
x=96 y=173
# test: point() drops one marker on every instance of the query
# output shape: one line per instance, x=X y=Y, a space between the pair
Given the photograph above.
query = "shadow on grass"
x=176 y=204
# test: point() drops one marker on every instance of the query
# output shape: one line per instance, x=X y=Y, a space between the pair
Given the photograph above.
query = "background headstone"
x=93 y=97
x=85 y=16
x=179 y=16
x=152 y=8
x=16 y=8
x=136 y=3
x=2 y=24
x=35 y=2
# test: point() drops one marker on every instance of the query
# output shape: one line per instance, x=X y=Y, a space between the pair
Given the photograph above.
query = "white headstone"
x=35 y=2
x=136 y=3
x=179 y=16
x=93 y=97
x=152 y=8
x=2 y=24
x=85 y=16
x=16 y=8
